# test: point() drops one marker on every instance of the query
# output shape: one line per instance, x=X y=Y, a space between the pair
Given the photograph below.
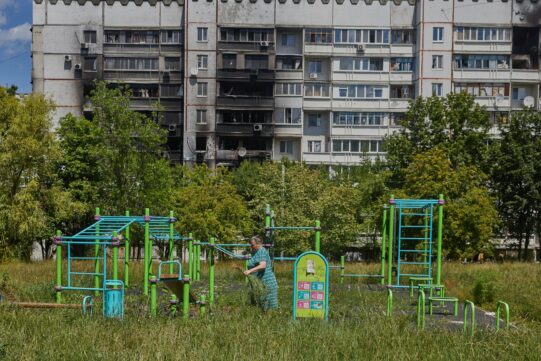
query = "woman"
x=260 y=265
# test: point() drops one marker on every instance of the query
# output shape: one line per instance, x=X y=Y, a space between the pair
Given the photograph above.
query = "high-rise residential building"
x=319 y=81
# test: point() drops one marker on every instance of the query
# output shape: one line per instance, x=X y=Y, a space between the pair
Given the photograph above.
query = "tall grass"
x=357 y=329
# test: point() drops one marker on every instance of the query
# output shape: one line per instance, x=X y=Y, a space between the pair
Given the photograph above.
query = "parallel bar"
x=87 y=273
x=84 y=258
x=286 y=228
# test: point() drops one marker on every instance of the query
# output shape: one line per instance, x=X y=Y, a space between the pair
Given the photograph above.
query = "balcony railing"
x=246 y=74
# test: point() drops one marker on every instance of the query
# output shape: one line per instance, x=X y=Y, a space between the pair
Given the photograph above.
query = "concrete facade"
x=319 y=81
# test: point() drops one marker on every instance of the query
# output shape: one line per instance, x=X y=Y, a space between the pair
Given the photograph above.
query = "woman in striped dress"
x=261 y=266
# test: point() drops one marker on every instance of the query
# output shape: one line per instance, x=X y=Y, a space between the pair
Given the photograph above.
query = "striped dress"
x=266 y=276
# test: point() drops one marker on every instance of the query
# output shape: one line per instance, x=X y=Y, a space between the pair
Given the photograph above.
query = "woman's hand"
x=247 y=272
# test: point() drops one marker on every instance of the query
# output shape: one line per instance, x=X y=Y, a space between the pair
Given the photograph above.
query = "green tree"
x=32 y=202
x=455 y=123
x=516 y=176
x=115 y=160
x=470 y=215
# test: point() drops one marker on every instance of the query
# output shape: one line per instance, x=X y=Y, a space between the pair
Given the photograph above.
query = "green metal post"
x=342 y=268
x=383 y=239
x=58 y=270
x=190 y=255
x=390 y=243
x=318 y=236
x=498 y=306
x=115 y=256
x=440 y=239
x=127 y=254
x=421 y=310
x=186 y=297
x=268 y=223
x=198 y=262
x=211 y=272
x=153 y=296
x=173 y=303
x=171 y=234
x=97 y=255
x=389 y=302
x=147 y=257
x=202 y=306
x=472 y=309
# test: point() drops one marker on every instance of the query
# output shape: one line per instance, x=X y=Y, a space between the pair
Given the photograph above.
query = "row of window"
x=482 y=34
x=481 y=61
x=338 y=146
x=483 y=89
x=122 y=63
x=137 y=37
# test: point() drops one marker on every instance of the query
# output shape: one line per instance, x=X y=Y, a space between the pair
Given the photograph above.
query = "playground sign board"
x=311 y=286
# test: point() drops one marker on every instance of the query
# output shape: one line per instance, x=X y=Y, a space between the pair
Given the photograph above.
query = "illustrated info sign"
x=311 y=286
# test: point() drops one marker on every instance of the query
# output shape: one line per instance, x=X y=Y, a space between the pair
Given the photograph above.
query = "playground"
x=195 y=304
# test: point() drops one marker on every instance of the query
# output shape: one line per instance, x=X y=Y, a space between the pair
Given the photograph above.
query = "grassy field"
x=357 y=329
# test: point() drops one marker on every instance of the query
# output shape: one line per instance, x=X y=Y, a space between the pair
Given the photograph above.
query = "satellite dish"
x=528 y=101
x=242 y=152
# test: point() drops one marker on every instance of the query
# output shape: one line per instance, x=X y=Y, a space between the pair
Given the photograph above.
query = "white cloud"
x=17 y=34
x=3 y=18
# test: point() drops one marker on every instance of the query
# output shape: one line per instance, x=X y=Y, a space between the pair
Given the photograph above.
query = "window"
x=90 y=63
x=289 y=116
x=90 y=36
x=202 y=89
x=482 y=34
x=357 y=146
x=314 y=146
x=245 y=35
x=483 y=89
x=361 y=64
x=437 y=89
x=255 y=62
x=315 y=66
x=229 y=61
x=318 y=36
x=481 y=62
x=437 y=62
x=171 y=37
x=171 y=90
x=288 y=62
x=131 y=64
x=437 y=34
x=286 y=146
x=202 y=34
x=288 y=40
x=356 y=36
x=358 y=119
x=172 y=64
x=201 y=116
x=314 y=120
x=360 y=91
x=402 y=91
x=288 y=89
x=316 y=90
x=202 y=62
x=402 y=64
x=406 y=36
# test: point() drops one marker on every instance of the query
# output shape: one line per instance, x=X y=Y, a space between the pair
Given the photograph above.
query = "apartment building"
x=319 y=81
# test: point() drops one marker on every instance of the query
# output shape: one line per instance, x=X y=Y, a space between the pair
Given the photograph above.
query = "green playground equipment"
x=271 y=228
x=411 y=223
x=110 y=232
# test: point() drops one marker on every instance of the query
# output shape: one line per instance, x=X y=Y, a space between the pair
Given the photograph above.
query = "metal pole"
x=127 y=254
x=186 y=297
x=153 y=296
x=115 y=256
x=383 y=236
x=146 y=260
x=342 y=268
x=202 y=306
x=171 y=234
x=190 y=255
x=198 y=262
x=390 y=245
x=440 y=239
x=58 y=269
x=318 y=236
x=97 y=255
x=211 y=272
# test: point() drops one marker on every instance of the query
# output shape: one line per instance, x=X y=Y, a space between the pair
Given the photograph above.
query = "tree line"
x=53 y=179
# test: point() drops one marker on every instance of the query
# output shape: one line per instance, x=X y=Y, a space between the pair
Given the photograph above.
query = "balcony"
x=149 y=75
x=375 y=76
x=502 y=75
x=289 y=74
x=255 y=46
x=245 y=129
x=525 y=75
x=133 y=48
x=288 y=130
x=243 y=101
x=246 y=74
x=477 y=47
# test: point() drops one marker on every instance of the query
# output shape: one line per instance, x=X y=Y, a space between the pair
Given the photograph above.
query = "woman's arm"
x=261 y=265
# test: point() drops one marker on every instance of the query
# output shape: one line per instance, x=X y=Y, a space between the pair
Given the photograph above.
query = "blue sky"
x=15 y=44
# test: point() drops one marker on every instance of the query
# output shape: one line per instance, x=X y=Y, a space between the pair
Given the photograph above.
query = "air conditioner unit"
x=67 y=58
x=194 y=71
x=77 y=67
x=264 y=43
x=258 y=127
x=172 y=127
x=84 y=45
x=313 y=75
x=360 y=48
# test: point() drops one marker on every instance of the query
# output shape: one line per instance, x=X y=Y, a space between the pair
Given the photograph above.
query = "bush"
x=484 y=292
